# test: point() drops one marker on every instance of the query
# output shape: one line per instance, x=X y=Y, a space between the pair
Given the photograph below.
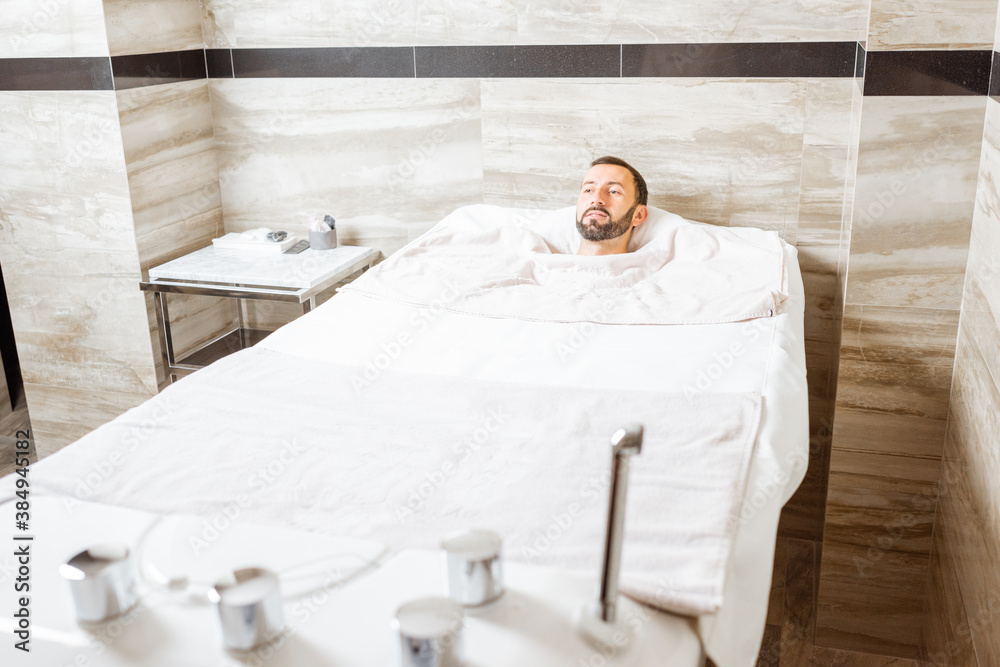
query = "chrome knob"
x=249 y=608
x=102 y=582
x=475 y=571
x=430 y=633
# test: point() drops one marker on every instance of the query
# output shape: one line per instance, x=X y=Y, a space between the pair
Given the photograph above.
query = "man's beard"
x=610 y=229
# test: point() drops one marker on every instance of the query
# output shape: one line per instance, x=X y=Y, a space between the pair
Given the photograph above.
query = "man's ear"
x=640 y=215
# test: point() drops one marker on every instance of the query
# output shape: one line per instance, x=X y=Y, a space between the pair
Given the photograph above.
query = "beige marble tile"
x=265 y=23
x=916 y=184
x=52 y=28
x=976 y=567
x=908 y=336
x=218 y=23
x=932 y=24
x=996 y=34
x=387 y=158
x=649 y=21
x=965 y=608
x=944 y=609
x=62 y=415
x=908 y=532
x=152 y=26
x=169 y=147
x=888 y=433
x=300 y=23
x=724 y=152
x=981 y=305
x=870 y=600
x=896 y=360
x=463 y=22
x=68 y=250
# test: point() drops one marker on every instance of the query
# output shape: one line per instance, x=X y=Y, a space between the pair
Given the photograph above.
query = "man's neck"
x=616 y=246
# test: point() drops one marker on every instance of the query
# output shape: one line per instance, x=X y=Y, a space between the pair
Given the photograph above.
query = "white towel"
x=495 y=262
x=267 y=437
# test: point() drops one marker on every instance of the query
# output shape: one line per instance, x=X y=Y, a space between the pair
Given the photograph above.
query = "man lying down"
x=612 y=202
x=624 y=262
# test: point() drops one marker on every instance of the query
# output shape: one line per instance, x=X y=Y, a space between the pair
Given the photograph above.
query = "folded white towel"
x=411 y=458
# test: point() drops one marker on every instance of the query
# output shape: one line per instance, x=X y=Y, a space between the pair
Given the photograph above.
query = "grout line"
x=621 y=51
x=414 y=61
x=232 y=66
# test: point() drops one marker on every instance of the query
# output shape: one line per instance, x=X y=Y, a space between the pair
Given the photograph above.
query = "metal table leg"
x=166 y=340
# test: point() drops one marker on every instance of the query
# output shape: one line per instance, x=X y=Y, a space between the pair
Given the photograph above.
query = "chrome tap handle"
x=625 y=443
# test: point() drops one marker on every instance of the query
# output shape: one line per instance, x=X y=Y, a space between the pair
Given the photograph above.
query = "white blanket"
x=408 y=458
x=476 y=262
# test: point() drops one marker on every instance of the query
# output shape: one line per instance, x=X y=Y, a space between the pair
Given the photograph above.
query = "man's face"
x=606 y=204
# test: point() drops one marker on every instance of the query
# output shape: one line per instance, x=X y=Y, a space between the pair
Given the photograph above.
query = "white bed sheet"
x=765 y=355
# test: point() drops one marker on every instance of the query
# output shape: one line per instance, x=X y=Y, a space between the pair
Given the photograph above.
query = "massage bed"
x=424 y=398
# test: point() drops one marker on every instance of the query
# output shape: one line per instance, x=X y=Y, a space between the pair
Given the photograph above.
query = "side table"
x=237 y=274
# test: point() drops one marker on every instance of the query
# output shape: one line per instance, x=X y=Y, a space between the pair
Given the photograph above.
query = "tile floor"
x=791 y=616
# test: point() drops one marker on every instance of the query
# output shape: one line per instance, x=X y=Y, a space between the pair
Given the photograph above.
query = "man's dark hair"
x=641 y=191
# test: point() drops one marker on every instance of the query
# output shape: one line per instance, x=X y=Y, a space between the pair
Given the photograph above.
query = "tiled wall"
x=267 y=23
x=962 y=615
x=739 y=113
x=54 y=29
x=174 y=185
x=66 y=238
x=931 y=24
x=68 y=250
x=913 y=211
x=169 y=142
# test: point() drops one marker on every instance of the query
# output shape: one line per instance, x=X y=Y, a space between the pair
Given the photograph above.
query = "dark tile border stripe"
x=219 y=63
x=55 y=74
x=927 y=73
x=151 y=69
x=794 y=59
x=374 y=62
x=599 y=60
x=918 y=73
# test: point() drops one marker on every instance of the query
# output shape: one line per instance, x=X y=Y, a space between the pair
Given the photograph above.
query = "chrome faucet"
x=625 y=443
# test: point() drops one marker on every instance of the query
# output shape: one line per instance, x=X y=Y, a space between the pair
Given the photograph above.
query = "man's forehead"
x=609 y=174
